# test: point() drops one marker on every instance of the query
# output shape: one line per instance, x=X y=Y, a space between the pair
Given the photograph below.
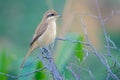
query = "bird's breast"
x=48 y=36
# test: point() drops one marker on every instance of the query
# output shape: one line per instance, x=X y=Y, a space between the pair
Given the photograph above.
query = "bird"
x=44 y=34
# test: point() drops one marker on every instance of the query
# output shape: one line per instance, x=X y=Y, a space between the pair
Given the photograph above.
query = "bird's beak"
x=59 y=15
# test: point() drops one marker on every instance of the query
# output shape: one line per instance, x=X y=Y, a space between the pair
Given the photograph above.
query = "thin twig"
x=88 y=14
x=103 y=60
x=71 y=40
x=22 y=75
x=103 y=27
x=73 y=73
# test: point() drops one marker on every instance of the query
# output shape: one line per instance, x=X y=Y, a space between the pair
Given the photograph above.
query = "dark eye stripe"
x=50 y=15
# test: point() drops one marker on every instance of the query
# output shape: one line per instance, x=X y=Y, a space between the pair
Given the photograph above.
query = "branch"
x=87 y=14
x=113 y=13
x=100 y=57
x=73 y=41
x=77 y=77
x=22 y=75
x=48 y=62
x=103 y=27
x=80 y=68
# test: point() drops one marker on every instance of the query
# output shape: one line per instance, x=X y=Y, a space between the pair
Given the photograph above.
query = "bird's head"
x=51 y=15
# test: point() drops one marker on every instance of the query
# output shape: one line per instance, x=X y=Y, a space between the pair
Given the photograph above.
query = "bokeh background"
x=19 y=19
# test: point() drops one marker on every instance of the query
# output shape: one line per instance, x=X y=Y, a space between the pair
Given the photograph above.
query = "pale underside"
x=48 y=36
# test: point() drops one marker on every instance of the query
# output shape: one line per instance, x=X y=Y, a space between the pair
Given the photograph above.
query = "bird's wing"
x=39 y=31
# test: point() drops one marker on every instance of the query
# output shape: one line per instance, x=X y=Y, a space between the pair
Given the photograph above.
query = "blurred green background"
x=19 y=19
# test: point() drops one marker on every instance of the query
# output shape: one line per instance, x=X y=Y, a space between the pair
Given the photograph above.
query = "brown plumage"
x=45 y=32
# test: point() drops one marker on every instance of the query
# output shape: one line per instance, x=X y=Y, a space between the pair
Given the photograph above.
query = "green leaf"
x=3 y=64
x=6 y=61
x=79 y=49
x=40 y=75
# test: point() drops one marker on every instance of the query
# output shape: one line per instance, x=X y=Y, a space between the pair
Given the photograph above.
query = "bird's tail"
x=26 y=56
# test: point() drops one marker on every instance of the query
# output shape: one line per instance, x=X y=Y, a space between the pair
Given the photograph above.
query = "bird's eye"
x=50 y=15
